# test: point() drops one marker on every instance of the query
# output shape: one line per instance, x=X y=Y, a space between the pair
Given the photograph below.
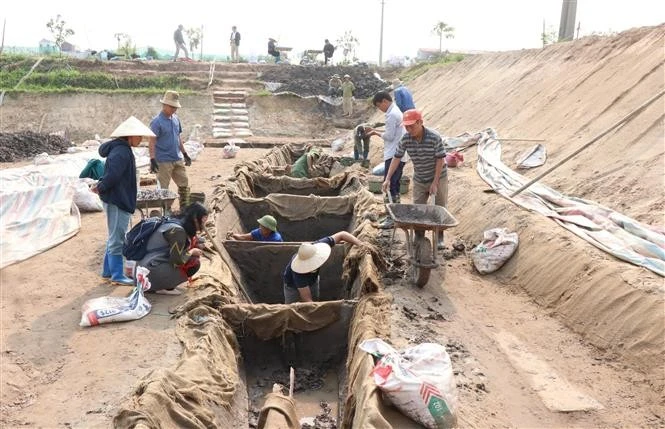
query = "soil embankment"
x=83 y=115
x=567 y=94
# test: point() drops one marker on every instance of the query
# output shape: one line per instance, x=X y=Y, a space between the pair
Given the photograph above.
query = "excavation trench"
x=318 y=358
x=235 y=351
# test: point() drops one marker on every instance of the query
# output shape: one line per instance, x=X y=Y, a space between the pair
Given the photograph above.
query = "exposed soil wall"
x=567 y=94
x=84 y=115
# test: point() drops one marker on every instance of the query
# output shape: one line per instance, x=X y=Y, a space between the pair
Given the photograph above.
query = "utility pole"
x=2 y=44
x=201 y=52
x=383 y=2
x=567 y=23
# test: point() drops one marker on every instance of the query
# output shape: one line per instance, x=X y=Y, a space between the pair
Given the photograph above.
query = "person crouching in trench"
x=301 y=275
x=176 y=254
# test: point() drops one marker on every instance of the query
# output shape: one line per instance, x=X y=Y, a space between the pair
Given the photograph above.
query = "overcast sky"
x=481 y=25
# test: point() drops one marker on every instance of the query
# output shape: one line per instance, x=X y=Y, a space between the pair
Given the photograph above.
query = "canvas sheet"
x=613 y=232
x=37 y=210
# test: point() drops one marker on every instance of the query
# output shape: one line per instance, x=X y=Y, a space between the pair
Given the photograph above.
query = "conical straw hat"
x=132 y=127
x=310 y=257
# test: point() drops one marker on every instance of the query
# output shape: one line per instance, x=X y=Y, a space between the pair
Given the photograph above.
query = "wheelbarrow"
x=415 y=220
x=154 y=198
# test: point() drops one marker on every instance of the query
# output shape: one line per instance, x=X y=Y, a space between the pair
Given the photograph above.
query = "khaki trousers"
x=175 y=170
x=421 y=195
x=234 y=52
x=421 y=192
x=347 y=106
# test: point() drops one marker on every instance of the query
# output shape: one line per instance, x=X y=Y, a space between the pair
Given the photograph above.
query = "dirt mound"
x=314 y=80
x=26 y=144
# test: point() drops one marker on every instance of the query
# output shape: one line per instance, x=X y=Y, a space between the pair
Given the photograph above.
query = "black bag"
x=135 y=246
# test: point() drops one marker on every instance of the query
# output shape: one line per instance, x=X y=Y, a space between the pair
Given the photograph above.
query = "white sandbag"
x=379 y=169
x=85 y=199
x=230 y=150
x=193 y=148
x=497 y=247
x=43 y=158
x=109 y=309
x=418 y=381
x=337 y=145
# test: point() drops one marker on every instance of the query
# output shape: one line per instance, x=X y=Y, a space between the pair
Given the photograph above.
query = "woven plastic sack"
x=497 y=247
x=230 y=150
x=109 y=309
x=418 y=381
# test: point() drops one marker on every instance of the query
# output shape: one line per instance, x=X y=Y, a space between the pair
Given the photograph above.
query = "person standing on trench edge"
x=394 y=130
x=168 y=157
x=301 y=275
x=117 y=189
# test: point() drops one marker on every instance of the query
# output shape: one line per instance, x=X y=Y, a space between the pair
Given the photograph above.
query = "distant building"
x=47 y=47
x=68 y=47
x=425 y=54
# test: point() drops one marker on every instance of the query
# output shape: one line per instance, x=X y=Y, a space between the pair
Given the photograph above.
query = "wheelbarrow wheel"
x=423 y=255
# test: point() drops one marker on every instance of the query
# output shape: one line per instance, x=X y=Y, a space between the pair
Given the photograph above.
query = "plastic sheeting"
x=613 y=232
x=37 y=211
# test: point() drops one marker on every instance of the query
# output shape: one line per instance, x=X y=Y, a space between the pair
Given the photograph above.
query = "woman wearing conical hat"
x=117 y=190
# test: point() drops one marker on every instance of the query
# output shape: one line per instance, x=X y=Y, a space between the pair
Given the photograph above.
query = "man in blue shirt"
x=402 y=96
x=301 y=275
x=168 y=157
x=267 y=231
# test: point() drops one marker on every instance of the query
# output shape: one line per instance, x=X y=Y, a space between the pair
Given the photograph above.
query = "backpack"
x=135 y=246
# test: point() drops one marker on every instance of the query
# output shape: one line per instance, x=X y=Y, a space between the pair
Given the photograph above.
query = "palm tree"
x=442 y=30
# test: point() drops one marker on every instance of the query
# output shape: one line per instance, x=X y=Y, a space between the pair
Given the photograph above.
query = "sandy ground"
x=543 y=333
x=47 y=357
x=57 y=374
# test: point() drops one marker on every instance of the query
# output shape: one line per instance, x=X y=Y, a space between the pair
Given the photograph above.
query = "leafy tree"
x=348 y=42
x=194 y=35
x=59 y=30
x=120 y=37
x=548 y=36
x=126 y=46
x=152 y=53
x=442 y=30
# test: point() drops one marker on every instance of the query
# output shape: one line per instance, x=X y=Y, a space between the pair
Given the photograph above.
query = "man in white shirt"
x=391 y=136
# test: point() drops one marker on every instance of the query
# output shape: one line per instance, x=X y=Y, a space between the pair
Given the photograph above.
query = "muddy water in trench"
x=316 y=406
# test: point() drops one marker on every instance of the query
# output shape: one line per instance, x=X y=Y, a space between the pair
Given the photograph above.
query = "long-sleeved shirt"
x=118 y=184
x=347 y=89
x=394 y=131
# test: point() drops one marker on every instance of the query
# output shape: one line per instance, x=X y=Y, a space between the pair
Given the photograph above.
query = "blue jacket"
x=404 y=99
x=118 y=184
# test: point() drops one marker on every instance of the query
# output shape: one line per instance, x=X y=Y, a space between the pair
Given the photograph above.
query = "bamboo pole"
x=292 y=381
x=625 y=119
x=521 y=140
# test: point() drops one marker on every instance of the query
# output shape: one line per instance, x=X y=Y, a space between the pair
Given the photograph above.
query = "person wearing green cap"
x=267 y=231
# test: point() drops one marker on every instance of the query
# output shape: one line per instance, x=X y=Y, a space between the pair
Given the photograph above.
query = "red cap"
x=411 y=117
